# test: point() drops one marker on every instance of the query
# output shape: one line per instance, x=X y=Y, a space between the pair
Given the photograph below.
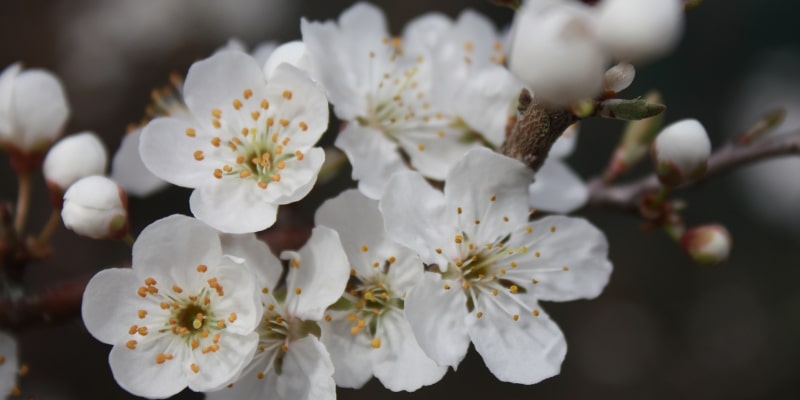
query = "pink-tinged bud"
x=96 y=207
x=681 y=152
x=554 y=50
x=640 y=30
x=72 y=158
x=707 y=245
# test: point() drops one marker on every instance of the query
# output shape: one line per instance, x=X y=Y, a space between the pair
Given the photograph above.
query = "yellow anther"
x=260 y=375
x=297 y=291
x=392 y=260
x=198 y=155
x=237 y=104
x=276 y=178
x=375 y=264
x=303 y=126
x=361 y=323
x=516 y=317
x=299 y=154
x=240 y=160
x=218 y=173
x=354 y=330
x=446 y=287
x=376 y=343
x=477 y=222
x=535 y=312
x=216 y=124
x=190 y=132
x=217 y=113
x=553 y=228
x=465 y=285
x=479 y=314
x=194 y=368
x=247 y=94
x=150 y=282
x=255 y=115
x=228 y=169
x=514 y=288
x=131 y=344
x=142 y=330
x=502 y=271
x=270 y=122
x=440 y=134
x=328 y=318
x=287 y=94
x=265 y=104
x=537 y=254
x=513 y=264
x=244 y=174
x=195 y=344
x=281 y=164
x=421 y=147
x=493 y=198
x=177 y=289
x=459 y=210
x=262 y=185
x=284 y=122
x=438 y=250
x=459 y=239
x=161 y=358
x=528 y=229
x=468 y=46
x=565 y=268
x=495 y=292
x=364 y=248
x=202 y=268
x=215 y=141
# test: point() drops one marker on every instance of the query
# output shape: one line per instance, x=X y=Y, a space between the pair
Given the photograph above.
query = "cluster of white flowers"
x=398 y=277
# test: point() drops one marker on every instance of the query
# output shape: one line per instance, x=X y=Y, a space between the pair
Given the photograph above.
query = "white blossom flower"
x=8 y=364
x=291 y=362
x=183 y=315
x=96 y=207
x=398 y=107
x=488 y=266
x=639 y=30
x=249 y=147
x=555 y=50
x=681 y=151
x=72 y=158
x=366 y=332
x=556 y=187
x=33 y=110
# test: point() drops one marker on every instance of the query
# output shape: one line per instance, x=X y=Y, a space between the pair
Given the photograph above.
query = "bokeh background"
x=663 y=329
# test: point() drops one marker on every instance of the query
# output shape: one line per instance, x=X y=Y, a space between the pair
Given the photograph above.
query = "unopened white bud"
x=555 y=51
x=681 y=152
x=707 y=245
x=72 y=158
x=640 y=30
x=96 y=207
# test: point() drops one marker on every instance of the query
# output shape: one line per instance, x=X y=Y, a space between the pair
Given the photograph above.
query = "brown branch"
x=626 y=197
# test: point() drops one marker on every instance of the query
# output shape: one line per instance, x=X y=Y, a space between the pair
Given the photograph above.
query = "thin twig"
x=626 y=197
x=23 y=200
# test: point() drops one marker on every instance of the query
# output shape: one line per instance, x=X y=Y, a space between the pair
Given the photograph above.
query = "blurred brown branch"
x=626 y=197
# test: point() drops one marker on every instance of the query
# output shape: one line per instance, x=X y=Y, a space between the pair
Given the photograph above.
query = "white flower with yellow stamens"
x=397 y=94
x=249 y=146
x=183 y=315
x=489 y=267
x=366 y=332
x=291 y=362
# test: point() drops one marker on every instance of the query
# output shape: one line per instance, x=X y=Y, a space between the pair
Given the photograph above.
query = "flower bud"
x=707 y=245
x=555 y=51
x=96 y=207
x=72 y=158
x=33 y=111
x=640 y=30
x=681 y=152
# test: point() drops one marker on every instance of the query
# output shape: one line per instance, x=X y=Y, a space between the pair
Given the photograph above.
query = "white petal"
x=297 y=179
x=257 y=257
x=39 y=108
x=110 y=304
x=129 y=171
x=406 y=272
x=233 y=206
x=167 y=152
x=263 y=51
x=173 y=247
x=374 y=158
x=295 y=97
x=242 y=297
x=320 y=278
x=307 y=372
x=292 y=53
x=557 y=188
x=421 y=34
x=403 y=365
x=413 y=214
x=565 y=144
x=434 y=156
x=218 y=368
x=215 y=82
x=577 y=245
x=479 y=176
x=436 y=316
x=487 y=101
x=349 y=353
x=525 y=351
x=8 y=370
x=359 y=224
x=138 y=373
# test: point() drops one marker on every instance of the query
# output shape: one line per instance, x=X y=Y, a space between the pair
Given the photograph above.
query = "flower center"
x=191 y=318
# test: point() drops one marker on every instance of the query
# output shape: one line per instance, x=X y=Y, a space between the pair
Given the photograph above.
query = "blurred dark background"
x=663 y=329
